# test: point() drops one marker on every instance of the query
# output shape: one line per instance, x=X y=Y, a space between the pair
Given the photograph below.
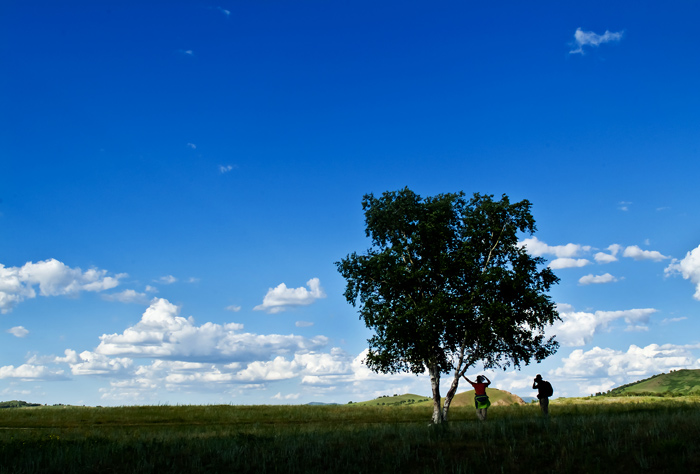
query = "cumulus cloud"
x=559 y=263
x=577 y=328
x=53 y=278
x=536 y=247
x=689 y=268
x=633 y=251
x=91 y=363
x=602 y=257
x=163 y=334
x=29 y=372
x=635 y=363
x=18 y=331
x=565 y=254
x=589 y=38
x=281 y=298
x=596 y=279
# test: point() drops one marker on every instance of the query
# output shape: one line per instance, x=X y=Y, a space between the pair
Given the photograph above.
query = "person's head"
x=538 y=378
x=480 y=379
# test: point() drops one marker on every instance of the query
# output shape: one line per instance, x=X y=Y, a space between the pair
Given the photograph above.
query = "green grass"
x=676 y=383
x=581 y=436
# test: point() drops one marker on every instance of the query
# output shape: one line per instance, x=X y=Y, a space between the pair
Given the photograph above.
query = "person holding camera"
x=544 y=391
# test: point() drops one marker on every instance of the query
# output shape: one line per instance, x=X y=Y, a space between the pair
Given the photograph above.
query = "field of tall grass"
x=580 y=436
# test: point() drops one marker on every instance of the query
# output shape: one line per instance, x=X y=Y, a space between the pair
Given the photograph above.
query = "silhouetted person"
x=481 y=400
x=544 y=391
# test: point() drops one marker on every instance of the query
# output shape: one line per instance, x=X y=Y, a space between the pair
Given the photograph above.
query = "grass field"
x=642 y=434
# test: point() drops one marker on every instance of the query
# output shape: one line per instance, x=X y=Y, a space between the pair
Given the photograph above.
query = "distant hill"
x=408 y=399
x=497 y=397
x=675 y=383
x=18 y=404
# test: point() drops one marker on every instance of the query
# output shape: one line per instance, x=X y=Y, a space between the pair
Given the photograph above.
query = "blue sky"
x=176 y=183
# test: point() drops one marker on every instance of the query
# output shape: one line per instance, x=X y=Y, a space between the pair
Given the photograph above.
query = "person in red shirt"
x=481 y=400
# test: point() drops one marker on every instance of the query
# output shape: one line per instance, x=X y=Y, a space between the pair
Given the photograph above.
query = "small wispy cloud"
x=673 y=320
x=596 y=279
x=192 y=145
x=624 y=205
x=303 y=324
x=225 y=168
x=18 y=331
x=186 y=52
x=234 y=308
x=589 y=38
x=224 y=11
x=127 y=296
x=167 y=280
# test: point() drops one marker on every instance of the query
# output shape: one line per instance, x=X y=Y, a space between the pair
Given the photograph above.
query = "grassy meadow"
x=588 y=435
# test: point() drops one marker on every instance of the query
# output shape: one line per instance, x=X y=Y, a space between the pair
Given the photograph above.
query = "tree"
x=445 y=286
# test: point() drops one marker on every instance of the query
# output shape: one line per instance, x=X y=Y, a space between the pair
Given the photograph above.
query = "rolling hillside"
x=678 y=383
x=497 y=397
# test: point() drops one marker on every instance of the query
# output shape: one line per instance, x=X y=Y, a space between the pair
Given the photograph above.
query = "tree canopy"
x=446 y=285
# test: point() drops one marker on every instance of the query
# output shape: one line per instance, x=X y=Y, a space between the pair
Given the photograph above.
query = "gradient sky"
x=177 y=181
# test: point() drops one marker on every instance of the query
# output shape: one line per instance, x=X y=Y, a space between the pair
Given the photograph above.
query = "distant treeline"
x=18 y=404
x=614 y=393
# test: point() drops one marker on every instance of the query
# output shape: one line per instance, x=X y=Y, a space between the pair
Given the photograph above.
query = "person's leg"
x=544 y=405
x=480 y=414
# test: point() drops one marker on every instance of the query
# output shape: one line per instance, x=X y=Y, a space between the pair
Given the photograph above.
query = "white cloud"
x=18 y=331
x=167 y=280
x=559 y=263
x=633 y=251
x=234 y=308
x=538 y=248
x=688 y=267
x=588 y=38
x=289 y=396
x=192 y=145
x=53 y=278
x=151 y=289
x=281 y=298
x=636 y=363
x=91 y=363
x=29 y=372
x=601 y=257
x=596 y=279
x=624 y=205
x=303 y=324
x=163 y=334
x=224 y=11
x=578 y=328
x=225 y=168
x=673 y=320
x=128 y=296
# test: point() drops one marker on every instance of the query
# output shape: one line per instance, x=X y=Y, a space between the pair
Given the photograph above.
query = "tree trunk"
x=435 y=384
x=450 y=395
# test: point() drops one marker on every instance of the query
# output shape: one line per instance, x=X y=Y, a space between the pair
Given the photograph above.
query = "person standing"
x=544 y=391
x=481 y=400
